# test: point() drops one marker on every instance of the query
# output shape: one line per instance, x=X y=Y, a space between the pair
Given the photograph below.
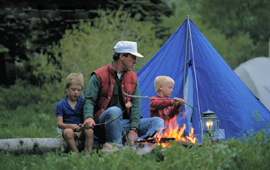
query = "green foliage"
x=234 y=50
x=150 y=10
x=22 y=94
x=9 y=161
x=29 y=27
x=27 y=111
x=88 y=46
x=29 y=122
x=3 y=49
x=232 y=18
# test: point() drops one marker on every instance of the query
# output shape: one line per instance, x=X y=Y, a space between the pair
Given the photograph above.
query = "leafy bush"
x=23 y=94
x=234 y=50
x=20 y=94
x=89 y=46
x=27 y=111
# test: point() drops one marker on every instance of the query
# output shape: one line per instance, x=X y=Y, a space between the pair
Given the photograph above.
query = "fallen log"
x=42 y=145
x=37 y=145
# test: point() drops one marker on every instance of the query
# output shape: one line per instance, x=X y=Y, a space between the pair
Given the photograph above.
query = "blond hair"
x=74 y=78
x=163 y=80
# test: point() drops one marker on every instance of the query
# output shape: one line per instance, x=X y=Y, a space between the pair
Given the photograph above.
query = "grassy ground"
x=30 y=117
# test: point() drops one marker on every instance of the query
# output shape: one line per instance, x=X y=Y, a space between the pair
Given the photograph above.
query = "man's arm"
x=135 y=112
x=91 y=95
x=90 y=98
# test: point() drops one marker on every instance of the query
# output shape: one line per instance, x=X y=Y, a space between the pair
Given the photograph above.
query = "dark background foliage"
x=31 y=26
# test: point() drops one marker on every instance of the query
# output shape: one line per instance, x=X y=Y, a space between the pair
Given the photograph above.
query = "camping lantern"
x=210 y=124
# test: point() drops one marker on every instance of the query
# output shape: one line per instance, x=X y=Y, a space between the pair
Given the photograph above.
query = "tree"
x=234 y=50
x=89 y=46
x=233 y=17
x=3 y=70
x=29 y=27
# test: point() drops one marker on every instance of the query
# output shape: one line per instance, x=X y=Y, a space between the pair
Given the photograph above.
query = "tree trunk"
x=3 y=71
x=37 y=145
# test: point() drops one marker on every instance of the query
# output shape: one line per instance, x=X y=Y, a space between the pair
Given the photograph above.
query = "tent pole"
x=185 y=65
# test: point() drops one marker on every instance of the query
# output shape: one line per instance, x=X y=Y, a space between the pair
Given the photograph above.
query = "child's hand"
x=75 y=127
x=182 y=101
x=178 y=101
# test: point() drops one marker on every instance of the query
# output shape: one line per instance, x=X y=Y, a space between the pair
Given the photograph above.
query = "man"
x=105 y=101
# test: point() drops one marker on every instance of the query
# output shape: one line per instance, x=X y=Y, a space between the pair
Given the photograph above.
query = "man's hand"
x=132 y=136
x=89 y=123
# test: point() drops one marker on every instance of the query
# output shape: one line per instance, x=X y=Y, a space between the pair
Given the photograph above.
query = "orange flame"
x=172 y=131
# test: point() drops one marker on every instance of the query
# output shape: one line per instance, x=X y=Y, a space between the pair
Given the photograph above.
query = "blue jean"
x=114 y=129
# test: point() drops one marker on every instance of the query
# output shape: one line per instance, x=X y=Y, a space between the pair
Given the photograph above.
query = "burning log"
x=164 y=141
x=169 y=134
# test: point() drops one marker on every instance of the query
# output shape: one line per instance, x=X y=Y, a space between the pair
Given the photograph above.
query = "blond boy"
x=163 y=107
x=69 y=115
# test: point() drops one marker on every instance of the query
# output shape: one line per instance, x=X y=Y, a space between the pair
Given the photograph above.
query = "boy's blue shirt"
x=70 y=116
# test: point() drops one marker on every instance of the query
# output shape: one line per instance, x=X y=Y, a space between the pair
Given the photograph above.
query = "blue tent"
x=205 y=81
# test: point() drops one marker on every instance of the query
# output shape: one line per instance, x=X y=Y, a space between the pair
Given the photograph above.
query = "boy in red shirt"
x=69 y=115
x=165 y=108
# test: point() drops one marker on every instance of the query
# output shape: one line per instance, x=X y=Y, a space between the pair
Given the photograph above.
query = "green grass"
x=26 y=123
x=232 y=154
x=36 y=119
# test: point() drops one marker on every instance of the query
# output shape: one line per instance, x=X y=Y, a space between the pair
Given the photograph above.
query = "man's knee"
x=115 y=112
x=158 y=122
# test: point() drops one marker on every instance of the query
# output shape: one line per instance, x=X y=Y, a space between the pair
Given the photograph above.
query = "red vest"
x=106 y=76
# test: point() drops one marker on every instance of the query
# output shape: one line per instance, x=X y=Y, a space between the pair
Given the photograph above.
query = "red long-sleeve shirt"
x=163 y=108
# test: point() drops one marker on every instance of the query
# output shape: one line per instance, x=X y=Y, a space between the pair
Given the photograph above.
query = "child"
x=165 y=108
x=69 y=115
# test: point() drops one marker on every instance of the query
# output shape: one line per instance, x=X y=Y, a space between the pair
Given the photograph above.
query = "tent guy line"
x=146 y=97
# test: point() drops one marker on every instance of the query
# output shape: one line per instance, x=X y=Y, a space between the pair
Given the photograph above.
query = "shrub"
x=20 y=94
x=89 y=46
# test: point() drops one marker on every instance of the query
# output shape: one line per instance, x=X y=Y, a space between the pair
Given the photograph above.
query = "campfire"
x=171 y=132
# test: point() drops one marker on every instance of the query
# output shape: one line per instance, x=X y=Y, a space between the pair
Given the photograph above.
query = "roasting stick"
x=146 y=97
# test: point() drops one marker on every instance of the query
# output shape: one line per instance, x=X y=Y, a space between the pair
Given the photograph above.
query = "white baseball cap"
x=127 y=47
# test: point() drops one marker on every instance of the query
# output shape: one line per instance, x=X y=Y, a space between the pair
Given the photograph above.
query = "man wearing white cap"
x=106 y=103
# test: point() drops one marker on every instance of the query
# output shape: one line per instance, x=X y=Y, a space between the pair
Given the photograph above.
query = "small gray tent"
x=255 y=73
